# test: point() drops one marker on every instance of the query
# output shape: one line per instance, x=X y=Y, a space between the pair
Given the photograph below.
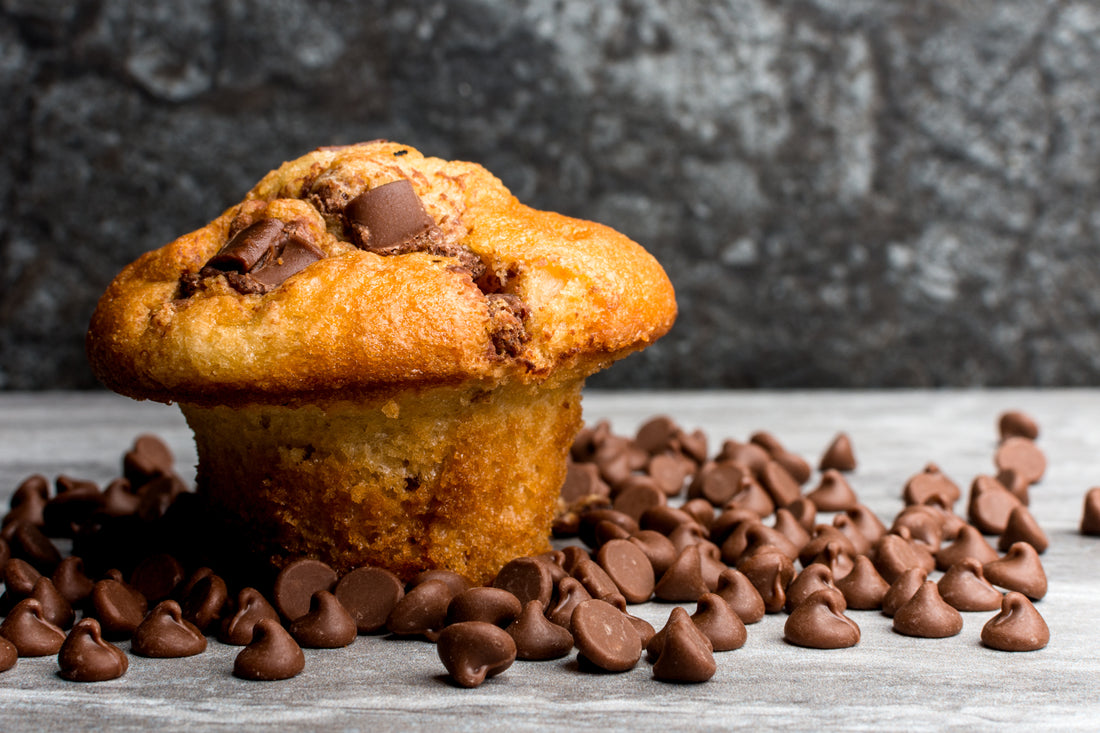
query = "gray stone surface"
x=844 y=192
x=886 y=682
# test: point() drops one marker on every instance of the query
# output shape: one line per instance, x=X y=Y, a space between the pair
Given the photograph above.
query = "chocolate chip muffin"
x=381 y=356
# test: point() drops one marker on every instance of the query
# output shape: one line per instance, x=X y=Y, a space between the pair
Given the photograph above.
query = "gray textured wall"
x=844 y=192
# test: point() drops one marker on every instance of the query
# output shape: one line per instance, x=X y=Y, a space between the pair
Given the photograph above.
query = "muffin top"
x=358 y=269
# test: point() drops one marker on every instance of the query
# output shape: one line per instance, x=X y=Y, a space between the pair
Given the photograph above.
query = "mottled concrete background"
x=844 y=192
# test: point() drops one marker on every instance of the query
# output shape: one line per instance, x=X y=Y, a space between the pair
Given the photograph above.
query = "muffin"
x=381 y=356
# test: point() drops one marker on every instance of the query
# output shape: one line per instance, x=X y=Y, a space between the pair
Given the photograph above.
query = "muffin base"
x=463 y=478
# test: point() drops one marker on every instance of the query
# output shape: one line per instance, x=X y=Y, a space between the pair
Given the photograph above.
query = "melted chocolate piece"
x=258 y=258
x=86 y=657
x=389 y=219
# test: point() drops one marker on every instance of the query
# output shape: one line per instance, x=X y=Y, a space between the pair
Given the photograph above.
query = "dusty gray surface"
x=886 y=682
x=844 y=192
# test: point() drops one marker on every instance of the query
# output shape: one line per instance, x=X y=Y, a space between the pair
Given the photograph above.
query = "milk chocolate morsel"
x=1020 y=570
x=814 y=577
x=422 y=611
x=902 y=589
x=1016 y=484
x=637 y=494
x=536 y=638
x=786 y=524
x=847 y=526
x=701 y=510
x=582 y=480
x=657 y=435
x=965 y=588
x=594 y=579
x=369 y=595
x=19 y=579
x=752 y=496
x=252 y=607
x=970 y=543
x=863 y=587
x=770 y=572
x=927 y=615
x=271 y=655
x=1022 y=527
x=657 y=548
x=28 y=542
x=838 y=456
x=664 y=519
x=296 y=584
x=1090 y=517
x=1023 y=457
x=819 y=623
x=389 y=219
x=669 y=472
x=683 y=581
x=203 y=603
x=780 y=485
x=990 y=504
x=718 y=482
x=605 y=637
x=473 y=651
x=720 y=623
x=686 y=654
x=593 y=517
x=833 y=493
x=823 y=534
x=9 y=655
x=86 y=657
x=1017 y=628
x=929 y=484
x=795 y=464
x=491 y=605
x=27 y=628
x=924 y=523
x=894 y=554
x=118 y=608
x=630 y=569
x=164 y=634
x=157 y=577
x=747 y=454
x=148 y=458
x=327 y=625
x=741 y=595
x=805 y=512
x=454 y=581
x=1014 y=423
x=55 y=608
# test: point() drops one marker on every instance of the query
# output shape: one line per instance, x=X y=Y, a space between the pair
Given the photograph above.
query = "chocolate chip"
x=927 y=615
x=682 y=652
x=902 y=589
x=754 y=535
x=741 y=595
x=117 y=500
x=582 y=480
x=1017 y=628
x=894 y=554
x=9 y=655
x=271 y=655
x=251 y=608
x=473 y=651
x=148 y=458
x=296 y=584
x=19 y=579
x=389 y=219
x=1090 y=515
x=1020 y=570
x=491 y=605
x=786 y=524
x=29 y=500
x=970 y=543
x=669 y=471
x=833 y=493
x=1015 y=423
x=164 y=633
x=30 y=544
x=770 y=572
x=819 y=623
x=838 y=455
x=370 y=595
x=720 y=623
x=454 y=581
x=683 y=581
x=658 y=548
x=536 y=637
x=1016 y=484
x=924 y=523
x=965 y=588
x=248 y=247
x=72 y=582
x=86 y=657
x=593 y=517
x=794 y=464
x=629 y=568
x=1022 y=527
x=863 y=587
x=422 y=611
x=262 y=256
x=604 y=636
x=27 y=628
x=750 y=455
x=805 y=512
x=847 y=526
x=664 y=519
x=814 y=577
x=929 y=484
x=55 y=608
x=203 y=603
x=752 y=496
x=637 y=494
x=327 y=624
x=990 y=504
x=780 y=485
x=118 y=608
x=157 y=577
x=823 y=535
x=1022 y=456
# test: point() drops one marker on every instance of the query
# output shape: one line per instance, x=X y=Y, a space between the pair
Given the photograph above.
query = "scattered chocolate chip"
x=454 y=581
x=701 y=510
x=582 y=480
x=969 y=543
x=770 y=572
x=1020 y=570
x=823 y=535
x=164 y=633
x=491 y=605
x=604 y=636
x=990 y=504
x=157 y=577
x=271 y=655
x=637 y=494
x=927 y=615
x=780 y=485
x=669 y=471
x=753 y=496
x=251 y=607
x=658 y=434
x=838 y=455
x=369 y=594
x=1022 y=456
x=931 y=484
x=118 y=608
x=683 y=580
x=296 y=584
x=629 y=568
x=965 y=588
x=473 y=651
x=55 y=608
x=327 y=624
x=720 y=623
x=847 y=526
x=894 y=554
x=750 y=455
x=833 y=493
x=1017 y=628
x=795 y=465
x=29 y=543
x=27 y=628
x=741 y=595
x=536 y=638
x=684 y=653
x=902 y=589
x=19 y=579
x=804 y=511
x=203 y=603
x=148 y=458
x=422 y=611
x=1022 y=527
x=819 y=622
x=718 y=482
x=659 y=550
x=86 y=657
x=814 y=577
x=9 y=655
x=1090 y=516
x=594 y=579
x=787 y=525
x=863 y=587
x=924 y=523
x=1016 y=484
x=1014 y=423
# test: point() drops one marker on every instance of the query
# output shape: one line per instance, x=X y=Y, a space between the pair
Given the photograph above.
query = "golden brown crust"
x=357 y=322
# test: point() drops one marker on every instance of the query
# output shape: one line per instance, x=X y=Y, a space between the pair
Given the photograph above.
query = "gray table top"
x=886 y=681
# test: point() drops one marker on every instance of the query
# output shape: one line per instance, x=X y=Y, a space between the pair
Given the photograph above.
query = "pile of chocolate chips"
x=749 y=538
